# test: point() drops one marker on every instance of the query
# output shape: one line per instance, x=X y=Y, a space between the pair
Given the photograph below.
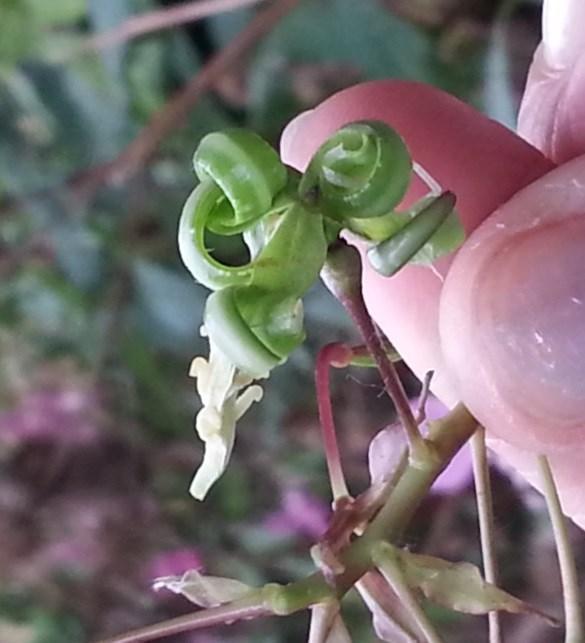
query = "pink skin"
x=551 y=114
x=502 y=327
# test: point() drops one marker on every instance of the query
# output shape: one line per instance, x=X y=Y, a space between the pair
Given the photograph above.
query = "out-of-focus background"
x=100 y=113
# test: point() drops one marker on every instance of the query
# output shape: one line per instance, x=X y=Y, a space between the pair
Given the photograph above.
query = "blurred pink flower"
x=457 y=476
x=389 y=445
x=67 y=414
x=300 y=514
x=174 y=562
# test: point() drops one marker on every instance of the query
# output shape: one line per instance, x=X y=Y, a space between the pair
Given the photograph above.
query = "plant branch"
x=574 y=629
x=173 y=115
x=243 y=609
x=447 y=436
x=483 y=494
x=342 y=275
x=153 y=21
x=384 y=558
x=331 y=355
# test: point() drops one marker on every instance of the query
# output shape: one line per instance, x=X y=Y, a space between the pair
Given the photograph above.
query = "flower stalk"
x=483 y=494
x=342 y=275
x=384 y=557
x=574 y=627
x=337 y=355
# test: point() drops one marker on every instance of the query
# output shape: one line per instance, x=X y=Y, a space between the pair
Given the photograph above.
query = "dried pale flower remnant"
x=226 y=394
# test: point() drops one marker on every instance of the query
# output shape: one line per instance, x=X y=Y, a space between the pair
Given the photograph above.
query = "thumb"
x=512 y=328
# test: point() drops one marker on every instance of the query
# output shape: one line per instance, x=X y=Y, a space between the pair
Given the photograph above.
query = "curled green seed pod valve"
x=362 y=171
x=254 y=317
x=290 y=246
x=230 y=332
x=389 y=256
x=247 y=171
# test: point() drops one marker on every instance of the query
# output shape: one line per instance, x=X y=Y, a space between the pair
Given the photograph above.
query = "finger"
x=482 y=162
x=551 y=114
x=512 y=316
x=563 y=31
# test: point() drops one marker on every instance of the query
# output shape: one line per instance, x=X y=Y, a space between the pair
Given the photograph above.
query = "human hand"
x=492 y=320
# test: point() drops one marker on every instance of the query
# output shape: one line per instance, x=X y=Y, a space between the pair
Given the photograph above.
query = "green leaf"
x=17 y=31
x=58 y=12
x=361 y=34
x=79 y=253
x=460 y=586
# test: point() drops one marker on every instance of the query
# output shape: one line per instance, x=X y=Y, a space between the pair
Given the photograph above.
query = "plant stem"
x=574 y=630
x=447 y=436
x=340 y=355
x=243 y=609
x=384 y=558
x=485 y=509
x=323 y=616
x=342 y=275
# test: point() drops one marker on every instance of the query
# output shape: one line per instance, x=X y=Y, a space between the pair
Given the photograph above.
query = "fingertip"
x=563 y=31
x=512 y=315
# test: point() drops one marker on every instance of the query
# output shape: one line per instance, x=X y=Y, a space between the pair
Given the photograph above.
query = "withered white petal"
x=226 y=395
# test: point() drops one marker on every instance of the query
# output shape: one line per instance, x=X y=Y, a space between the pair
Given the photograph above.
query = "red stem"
x=342 y=275
x=242 y=609
x=331 y=355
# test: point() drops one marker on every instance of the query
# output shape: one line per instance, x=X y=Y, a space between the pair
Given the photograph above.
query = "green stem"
x=447 y=436
x=483 y=494
x=384 y=557
x=574 y=630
